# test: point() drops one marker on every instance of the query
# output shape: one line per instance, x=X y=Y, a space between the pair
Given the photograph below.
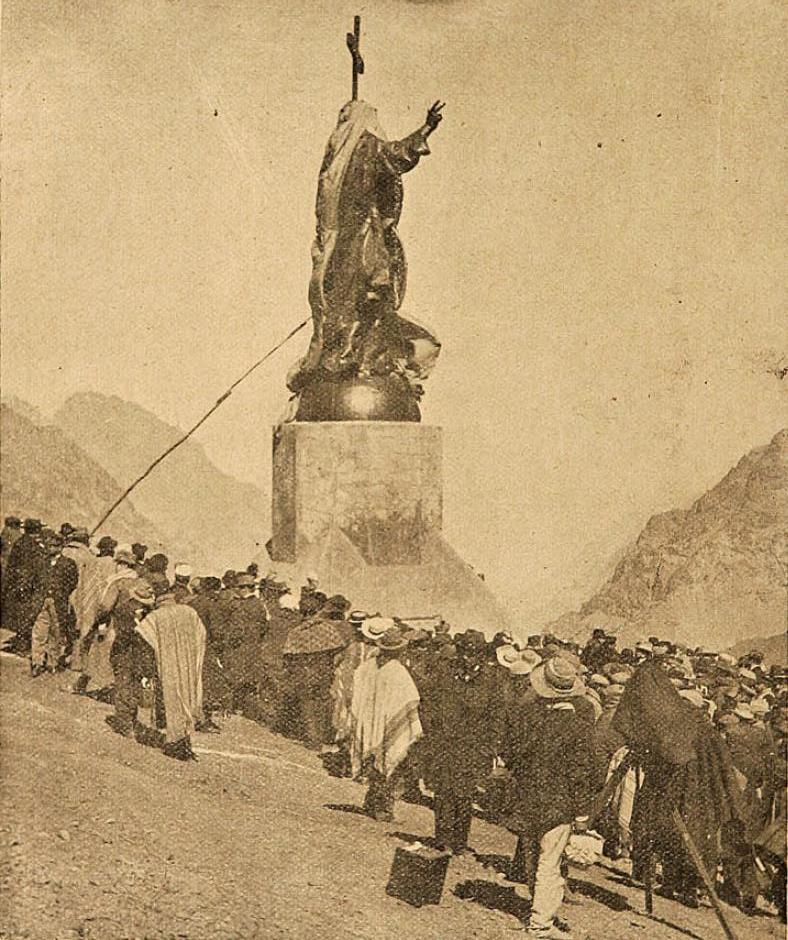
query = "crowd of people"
x=544 y=736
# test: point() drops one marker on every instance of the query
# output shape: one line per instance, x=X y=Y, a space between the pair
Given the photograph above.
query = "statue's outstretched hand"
x=434 y=116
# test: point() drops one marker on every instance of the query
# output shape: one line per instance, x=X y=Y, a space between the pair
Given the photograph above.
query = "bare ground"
x=102 y=839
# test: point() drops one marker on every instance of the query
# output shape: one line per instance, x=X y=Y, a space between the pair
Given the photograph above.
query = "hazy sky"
x=597 y=238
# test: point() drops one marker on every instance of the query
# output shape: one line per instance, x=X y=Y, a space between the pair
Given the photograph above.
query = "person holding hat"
x=24 y=584
x=461 y=716
x=550 y=756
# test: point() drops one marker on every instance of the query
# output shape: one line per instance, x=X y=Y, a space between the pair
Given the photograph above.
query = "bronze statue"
x=364 y=361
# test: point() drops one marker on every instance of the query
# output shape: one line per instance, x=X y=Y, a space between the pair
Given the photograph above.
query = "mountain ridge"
x=224 y=520
x=44 y=474
x=714 y=573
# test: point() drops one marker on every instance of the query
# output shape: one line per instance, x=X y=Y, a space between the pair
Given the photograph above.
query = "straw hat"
x=743 y=712
x=694 y=697
x=374 y=627
x=557 y=678
x=526 y=663
x=507 y=654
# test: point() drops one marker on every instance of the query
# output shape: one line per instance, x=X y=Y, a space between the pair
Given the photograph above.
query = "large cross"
x=353 y=41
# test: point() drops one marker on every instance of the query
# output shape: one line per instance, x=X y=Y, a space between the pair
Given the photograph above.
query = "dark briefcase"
x=418 y=875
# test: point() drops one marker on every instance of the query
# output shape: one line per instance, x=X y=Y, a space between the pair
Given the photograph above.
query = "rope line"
x=223 y=398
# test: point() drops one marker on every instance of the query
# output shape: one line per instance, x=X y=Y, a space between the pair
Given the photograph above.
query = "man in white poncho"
x=384 y=716
x=177 y=636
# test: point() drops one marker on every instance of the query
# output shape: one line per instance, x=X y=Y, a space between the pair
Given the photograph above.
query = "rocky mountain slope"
x=774 y=648
x=223 y=521
x=45 y=474
x=711 y=575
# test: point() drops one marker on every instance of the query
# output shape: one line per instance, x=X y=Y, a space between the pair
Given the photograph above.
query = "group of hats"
x=520 y=662
x=556 y=677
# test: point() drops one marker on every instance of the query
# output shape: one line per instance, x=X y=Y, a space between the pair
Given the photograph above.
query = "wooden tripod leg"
x=697 y=861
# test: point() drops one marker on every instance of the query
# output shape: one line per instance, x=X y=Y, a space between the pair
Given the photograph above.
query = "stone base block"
x=378 y=483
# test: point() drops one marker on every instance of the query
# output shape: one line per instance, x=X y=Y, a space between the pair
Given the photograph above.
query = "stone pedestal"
x=358 y=505
x=378 y=482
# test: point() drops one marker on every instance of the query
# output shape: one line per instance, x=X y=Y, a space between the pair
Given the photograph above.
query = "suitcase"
x=418 y=875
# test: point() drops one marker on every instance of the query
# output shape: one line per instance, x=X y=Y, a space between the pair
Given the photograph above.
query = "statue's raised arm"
x=358 y=278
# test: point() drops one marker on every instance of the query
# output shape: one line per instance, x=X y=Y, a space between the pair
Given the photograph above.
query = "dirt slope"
x=101 y=839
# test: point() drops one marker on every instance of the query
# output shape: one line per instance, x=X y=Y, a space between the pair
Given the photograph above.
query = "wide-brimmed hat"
x=81 y=535
x=141 y=592
x=374 y=627
x=125 y=555
x=557 y=678
x=506 y=654
x=744 y=712
x=598 y=680
x=526 y=663
x=693 y=696
x=106 y=541
x=241 y=580
x=393 y=639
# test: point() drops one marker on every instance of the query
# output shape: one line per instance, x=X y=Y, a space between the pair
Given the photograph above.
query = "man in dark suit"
x=550 y=756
